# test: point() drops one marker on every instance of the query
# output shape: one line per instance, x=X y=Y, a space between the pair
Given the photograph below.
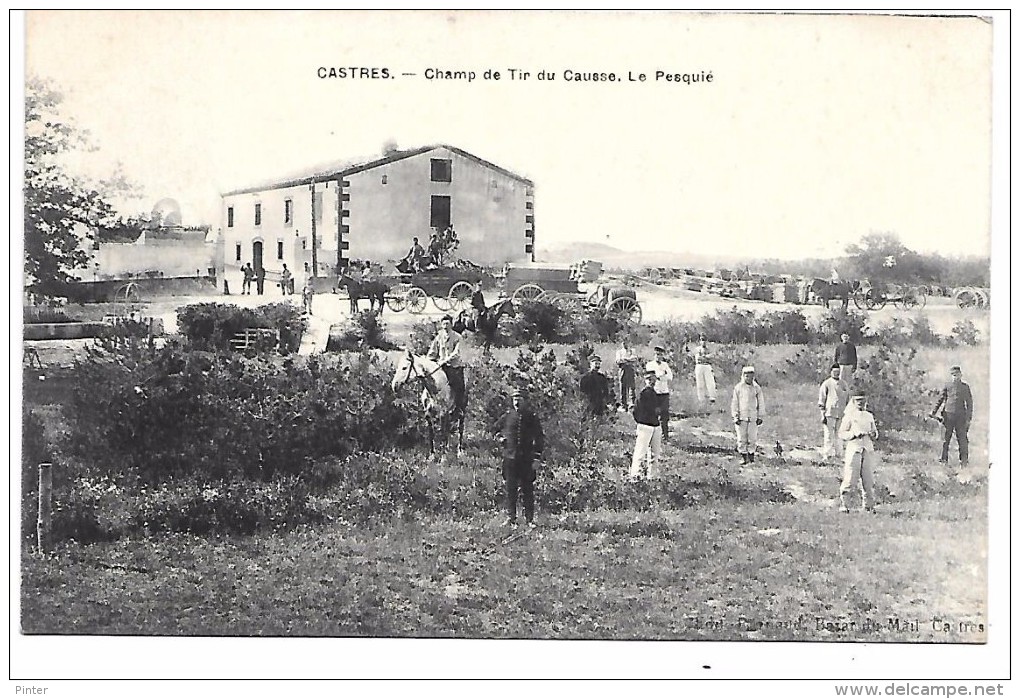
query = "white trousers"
x=647 y=448
x=846 y=374
x=747 y=436
x=832 y=445
x=858 y=471
x=704 y=379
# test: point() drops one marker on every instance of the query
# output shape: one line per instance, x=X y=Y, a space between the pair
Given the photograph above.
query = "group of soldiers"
x=848 y=428
x=441 y=245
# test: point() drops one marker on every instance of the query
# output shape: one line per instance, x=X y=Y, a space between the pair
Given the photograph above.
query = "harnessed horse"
x=486 y=321
x=374 y=291
x=437 y=396
x=827 y=290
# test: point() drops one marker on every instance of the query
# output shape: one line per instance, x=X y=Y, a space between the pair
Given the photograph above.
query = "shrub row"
x=211 y=326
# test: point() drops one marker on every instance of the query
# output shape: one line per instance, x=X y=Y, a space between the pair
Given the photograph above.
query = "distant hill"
x=610 y=256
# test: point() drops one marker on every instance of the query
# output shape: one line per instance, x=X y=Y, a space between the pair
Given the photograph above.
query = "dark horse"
x=826 y=290
x=374 y=291
x=484 y=320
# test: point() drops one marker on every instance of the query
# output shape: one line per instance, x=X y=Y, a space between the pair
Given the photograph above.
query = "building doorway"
x=440 y=217
x=256 y=254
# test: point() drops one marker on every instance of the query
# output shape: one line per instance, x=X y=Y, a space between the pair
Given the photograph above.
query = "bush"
x=364 y=331
x=211 y=326
x=241 y=507
x=965 y=332
x=837 y=321
x=539 y=321
x=182 y=412
x=421 y=335
x=912 y=329
x=895 y=386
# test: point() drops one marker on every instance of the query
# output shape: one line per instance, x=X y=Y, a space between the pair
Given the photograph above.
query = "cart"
x=559 y=286
x=873 y=297
x=450 y=288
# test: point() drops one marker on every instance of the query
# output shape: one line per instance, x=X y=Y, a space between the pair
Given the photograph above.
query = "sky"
x=814 y=130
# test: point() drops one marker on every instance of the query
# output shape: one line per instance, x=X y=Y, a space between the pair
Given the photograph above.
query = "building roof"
x=347 y=168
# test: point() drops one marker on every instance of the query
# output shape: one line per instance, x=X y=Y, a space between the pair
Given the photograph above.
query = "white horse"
x=437 y=399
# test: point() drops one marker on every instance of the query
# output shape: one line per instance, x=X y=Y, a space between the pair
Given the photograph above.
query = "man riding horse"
x=483 y=319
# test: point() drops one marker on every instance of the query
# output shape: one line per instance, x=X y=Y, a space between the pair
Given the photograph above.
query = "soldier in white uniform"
x=748 y=410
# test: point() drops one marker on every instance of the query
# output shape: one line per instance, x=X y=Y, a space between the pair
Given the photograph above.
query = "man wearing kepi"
x=846 y=358
x=663 y=378
x=521 y=435
x=748 y=410
x=858 y=429
x=831 y=397
x=648 y=442
x=704 y=379
x=957 y=409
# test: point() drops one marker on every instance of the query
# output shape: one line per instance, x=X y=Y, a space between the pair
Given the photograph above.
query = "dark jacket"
x=597 y=389
x=957 y=400
x=846 y=354
x=646 y=407
x=523 y=440
x=478 y=301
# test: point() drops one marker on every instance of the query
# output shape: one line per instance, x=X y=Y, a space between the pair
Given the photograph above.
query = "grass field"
x=757 y=552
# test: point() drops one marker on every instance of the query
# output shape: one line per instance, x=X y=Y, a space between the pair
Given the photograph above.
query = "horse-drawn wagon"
x=559 y=286
x=449 y=288
x=875 y=296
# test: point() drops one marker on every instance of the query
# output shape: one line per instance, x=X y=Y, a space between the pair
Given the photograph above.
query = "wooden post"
x=45 y=505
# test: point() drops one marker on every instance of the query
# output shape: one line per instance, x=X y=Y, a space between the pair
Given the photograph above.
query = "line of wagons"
x=450 y=289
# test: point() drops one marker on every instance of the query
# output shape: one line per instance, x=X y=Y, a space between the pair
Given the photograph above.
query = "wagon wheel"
x=861 y=300
x=913 y=298
x=967 y=298
x=982 y=297
x=443 y=303
x=625 y=309
x=460 y=295
x=568 y=303
x=528 y=292
x=874 y=301
x=417 y=299
x=396 y=303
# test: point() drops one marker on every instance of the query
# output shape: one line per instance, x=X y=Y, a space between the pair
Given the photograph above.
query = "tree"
x=62 y=211
x=881 y=257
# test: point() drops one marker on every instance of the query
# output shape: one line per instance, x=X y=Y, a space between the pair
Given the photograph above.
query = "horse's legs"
x=432 y=436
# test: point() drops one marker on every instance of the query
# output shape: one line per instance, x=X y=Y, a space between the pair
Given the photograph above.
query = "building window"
x=230 y=217
x=442 y=170
x=238 y=251
x=317 y=206
x=258 y=214
x=279 y=249
x=288 y=212
x=384 y=179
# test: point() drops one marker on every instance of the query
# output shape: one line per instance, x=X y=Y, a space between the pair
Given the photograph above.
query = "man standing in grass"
x=663 y=379
x=704 y=379
x=846 y=358
x=748 y=409
x=627 y=362
x=520 y=432
x=831 y=397
x=957 y=409
x=858 y=429
x=648 y=443
x=596 y=388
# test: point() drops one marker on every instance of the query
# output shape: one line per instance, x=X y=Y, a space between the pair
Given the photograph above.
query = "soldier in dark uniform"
x=521 y=435
x=957 y=405
x=596 y=387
